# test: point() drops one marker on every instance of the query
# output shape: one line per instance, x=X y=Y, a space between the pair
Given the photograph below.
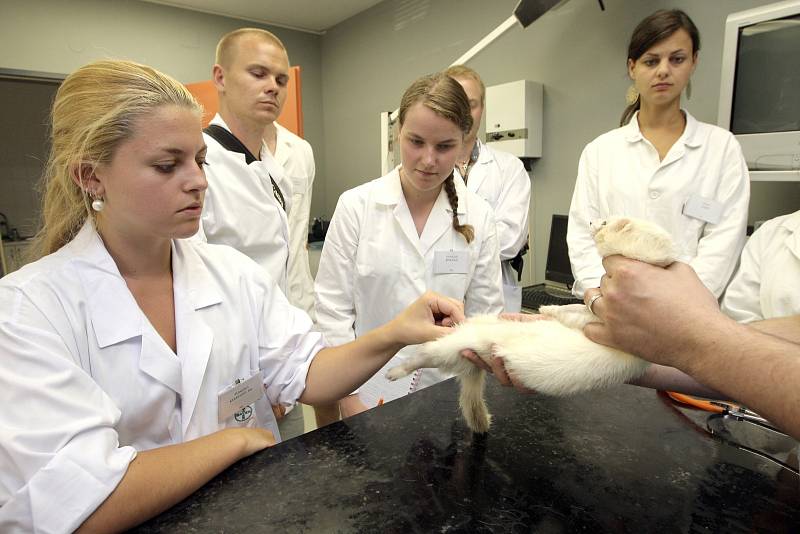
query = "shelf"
x=775 y=176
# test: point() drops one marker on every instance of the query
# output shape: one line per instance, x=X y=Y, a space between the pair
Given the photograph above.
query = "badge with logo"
x=244 y=414
x=237 y=399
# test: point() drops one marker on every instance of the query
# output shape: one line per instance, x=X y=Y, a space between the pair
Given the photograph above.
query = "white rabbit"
x=549 y=356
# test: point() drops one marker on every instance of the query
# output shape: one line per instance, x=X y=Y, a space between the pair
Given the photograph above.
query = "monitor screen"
x=766 y=93
x=558 y=268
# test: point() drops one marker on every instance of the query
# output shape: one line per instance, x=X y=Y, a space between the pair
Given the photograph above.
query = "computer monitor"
x=558 y=268
x=759 y=99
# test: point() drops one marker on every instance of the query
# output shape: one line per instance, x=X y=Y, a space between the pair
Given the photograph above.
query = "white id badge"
x=239 y=395
x=451 y=262
x=705 y=209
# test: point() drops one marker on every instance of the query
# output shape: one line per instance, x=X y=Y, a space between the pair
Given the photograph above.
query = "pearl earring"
x=98 y=204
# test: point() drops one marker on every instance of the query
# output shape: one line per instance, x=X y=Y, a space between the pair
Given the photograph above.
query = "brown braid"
x=464 y=229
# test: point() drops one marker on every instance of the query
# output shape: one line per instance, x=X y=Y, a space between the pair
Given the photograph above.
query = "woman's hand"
x=427 y=318
x=254 y=439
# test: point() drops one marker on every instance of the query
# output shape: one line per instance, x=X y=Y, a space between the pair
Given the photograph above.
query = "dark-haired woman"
x=662 y=164
x=413 y=230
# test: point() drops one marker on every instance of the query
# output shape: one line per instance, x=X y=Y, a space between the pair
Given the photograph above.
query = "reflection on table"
x=619 y=460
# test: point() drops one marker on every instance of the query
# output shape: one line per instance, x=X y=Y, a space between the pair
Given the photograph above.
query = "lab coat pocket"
x=299 y=186
x=692 y=233
x=378 y=260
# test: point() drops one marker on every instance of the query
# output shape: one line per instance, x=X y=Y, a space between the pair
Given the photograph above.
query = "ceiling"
x=312 y=16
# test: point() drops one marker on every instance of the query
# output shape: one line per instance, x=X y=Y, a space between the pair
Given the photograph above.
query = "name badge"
x=451 y=262
x=705 y=209
x=239 y=395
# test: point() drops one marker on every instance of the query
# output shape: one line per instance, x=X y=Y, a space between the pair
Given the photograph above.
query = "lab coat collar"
x=479 y=170
x=269 y=163
x=390 y=191
x=283 y=145
x=792 y=225
x=219 y=122
x=191 y=275
x=440 y=220
x=690 y=136
x=194 y=288
x=264 y=150
x=105 y=289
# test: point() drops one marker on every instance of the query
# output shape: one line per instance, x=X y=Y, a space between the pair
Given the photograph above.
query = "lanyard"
x=232 y=143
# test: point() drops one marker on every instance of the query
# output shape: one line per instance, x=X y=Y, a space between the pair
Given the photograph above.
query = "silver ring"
x=591 y=302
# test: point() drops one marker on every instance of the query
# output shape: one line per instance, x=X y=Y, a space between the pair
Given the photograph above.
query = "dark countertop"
x=619 y=460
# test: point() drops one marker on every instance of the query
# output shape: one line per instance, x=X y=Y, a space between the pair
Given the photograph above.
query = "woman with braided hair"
x=413 y=230
x=137 y=364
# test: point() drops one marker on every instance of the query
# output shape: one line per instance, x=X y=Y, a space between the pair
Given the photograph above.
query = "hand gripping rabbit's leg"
x=445 y=352
x=571 y=315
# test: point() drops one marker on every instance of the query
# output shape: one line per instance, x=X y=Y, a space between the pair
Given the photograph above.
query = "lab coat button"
x=654 y=194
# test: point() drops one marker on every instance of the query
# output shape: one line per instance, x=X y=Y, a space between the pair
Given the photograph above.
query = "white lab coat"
x=620 y=174
x=87 y=381
x=767 y=283
x=374 y=264
x=240 y=209
x=295 y=156
x=500 y=179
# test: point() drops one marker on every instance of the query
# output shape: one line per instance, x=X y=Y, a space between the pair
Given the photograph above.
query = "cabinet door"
x=291 y=117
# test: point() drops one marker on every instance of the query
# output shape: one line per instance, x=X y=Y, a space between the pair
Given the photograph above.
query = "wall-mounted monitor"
x=760 y=88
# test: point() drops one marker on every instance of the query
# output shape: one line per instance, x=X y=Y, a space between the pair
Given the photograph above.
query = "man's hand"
x=496 y=365
x=650 y=311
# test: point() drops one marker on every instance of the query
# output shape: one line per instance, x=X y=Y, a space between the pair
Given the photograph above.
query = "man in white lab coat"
x=501 y=180
x=295 y=156
x=249 y=198
x=767 y=282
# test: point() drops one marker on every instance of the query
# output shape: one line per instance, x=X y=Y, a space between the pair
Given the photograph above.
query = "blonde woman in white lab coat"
x=663 y=165
x=415 y=229
x=767 y=283
x=136 y=365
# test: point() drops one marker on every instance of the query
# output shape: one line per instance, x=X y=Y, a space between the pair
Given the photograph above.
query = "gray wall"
x=361 y=67
x=577 y=51
x=59 y=36
x=23 y=142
